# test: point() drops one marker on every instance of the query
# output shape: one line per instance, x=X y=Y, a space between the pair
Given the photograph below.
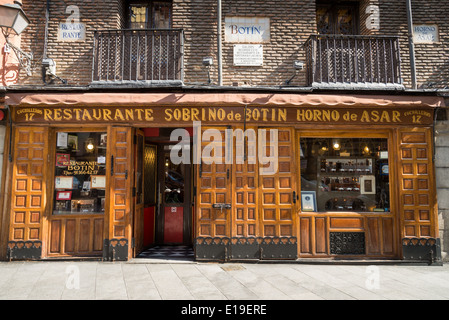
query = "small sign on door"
x=174 y=210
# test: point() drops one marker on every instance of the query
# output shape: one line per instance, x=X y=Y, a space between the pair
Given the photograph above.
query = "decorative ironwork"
x=279 y=248
x=115 y=250
x=251 y=248
x=425 y=249
x=25 y=59
x=245 y=248
x=353 y=60
x=347 y=243
x=150 y=159
x=212 y=248
x=138 y=55
x=24 y=250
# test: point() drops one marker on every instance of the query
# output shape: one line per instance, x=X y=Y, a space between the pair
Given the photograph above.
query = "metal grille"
x=138 y=55
x=353 y=59
x=150 y=157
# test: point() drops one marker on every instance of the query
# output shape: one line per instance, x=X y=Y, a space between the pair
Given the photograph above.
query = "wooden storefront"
x=231 y=209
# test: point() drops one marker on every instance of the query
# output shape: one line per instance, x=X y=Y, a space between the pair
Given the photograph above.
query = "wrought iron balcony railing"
x=138 y=55
x=340 y=60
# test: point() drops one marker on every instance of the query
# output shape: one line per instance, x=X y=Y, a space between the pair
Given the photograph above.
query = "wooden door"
x=245 y=178
x=417 y=196
x=138 y=192
x=28 y=200
x=278 y=192
x=119 y=217
x=213 y=188
x=262 y=203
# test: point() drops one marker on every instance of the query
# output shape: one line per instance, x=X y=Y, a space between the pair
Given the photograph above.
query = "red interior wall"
x=149 y=220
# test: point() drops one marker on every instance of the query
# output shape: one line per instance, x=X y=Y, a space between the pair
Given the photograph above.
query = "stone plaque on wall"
x=69 y=32
x=247 y=30
x=425 y=33
x=248 y=55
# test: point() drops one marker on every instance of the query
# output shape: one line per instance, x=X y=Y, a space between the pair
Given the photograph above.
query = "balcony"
x=337 y=61
x=138 y=56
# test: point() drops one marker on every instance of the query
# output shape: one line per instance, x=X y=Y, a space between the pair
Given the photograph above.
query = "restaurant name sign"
x=218 y=115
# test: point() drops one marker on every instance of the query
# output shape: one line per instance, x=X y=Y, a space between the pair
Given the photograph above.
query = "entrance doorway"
x=173 y=223
x=168 y=198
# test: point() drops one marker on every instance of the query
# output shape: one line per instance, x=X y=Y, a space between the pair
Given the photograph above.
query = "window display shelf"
x=339 y=184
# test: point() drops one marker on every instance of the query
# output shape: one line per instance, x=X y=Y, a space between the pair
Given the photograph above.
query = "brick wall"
x=73 y=59
x=291 y=24
x=432 y=60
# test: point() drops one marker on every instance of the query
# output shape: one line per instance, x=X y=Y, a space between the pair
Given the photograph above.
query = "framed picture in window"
x=98 y=182
x=62 y=159
x=64 y=195
x=103 y=140
x=368 y=185
x=73 y=142
x=64 y=182
x=384 y=170
x=308 y=201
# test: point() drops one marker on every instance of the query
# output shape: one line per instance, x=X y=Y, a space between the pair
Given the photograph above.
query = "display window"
x=80 y=173
x=345 y=174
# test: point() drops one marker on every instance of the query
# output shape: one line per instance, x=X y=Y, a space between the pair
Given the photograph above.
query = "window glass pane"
x=162 y=15
x=174 y=181
x=346 y=174
x=336 y=19
x=323 y=17
x=345 y=22
x=139 y=170
x=80 y=173
x=138 y=17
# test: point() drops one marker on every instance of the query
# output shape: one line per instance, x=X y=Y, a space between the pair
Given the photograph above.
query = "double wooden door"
x=240 y=196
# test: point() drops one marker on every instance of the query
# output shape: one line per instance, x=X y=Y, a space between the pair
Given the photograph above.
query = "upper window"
x=150 y=15
x=337 y=18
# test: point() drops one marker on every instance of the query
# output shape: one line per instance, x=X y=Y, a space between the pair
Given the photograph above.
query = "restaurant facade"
x=276 y=131
x=238 y=176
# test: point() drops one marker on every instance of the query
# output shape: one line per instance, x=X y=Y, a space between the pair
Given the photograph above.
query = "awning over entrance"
x=219 y=99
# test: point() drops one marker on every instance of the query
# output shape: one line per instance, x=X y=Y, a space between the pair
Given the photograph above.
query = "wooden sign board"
x=220 y=115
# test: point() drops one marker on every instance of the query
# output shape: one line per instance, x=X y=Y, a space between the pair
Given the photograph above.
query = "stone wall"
x=442 y=180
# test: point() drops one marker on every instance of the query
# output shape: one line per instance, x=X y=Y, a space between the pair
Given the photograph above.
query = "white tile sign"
x=248 y=55
x=425 y=33
x=247 y=30
x=72 y=32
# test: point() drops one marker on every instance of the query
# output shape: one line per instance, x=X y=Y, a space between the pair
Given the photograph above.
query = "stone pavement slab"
x=95 y=280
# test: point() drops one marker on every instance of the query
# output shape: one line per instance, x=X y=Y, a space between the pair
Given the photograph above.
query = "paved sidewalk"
x=210 y=281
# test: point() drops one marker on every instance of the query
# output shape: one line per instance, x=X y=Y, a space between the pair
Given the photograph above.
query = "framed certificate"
x=64 y=182
x=62 y=140
x=308 y=201
x=98 y=182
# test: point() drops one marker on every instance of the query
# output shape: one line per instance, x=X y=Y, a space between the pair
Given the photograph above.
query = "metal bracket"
x=222 y=206
x=25 y=59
